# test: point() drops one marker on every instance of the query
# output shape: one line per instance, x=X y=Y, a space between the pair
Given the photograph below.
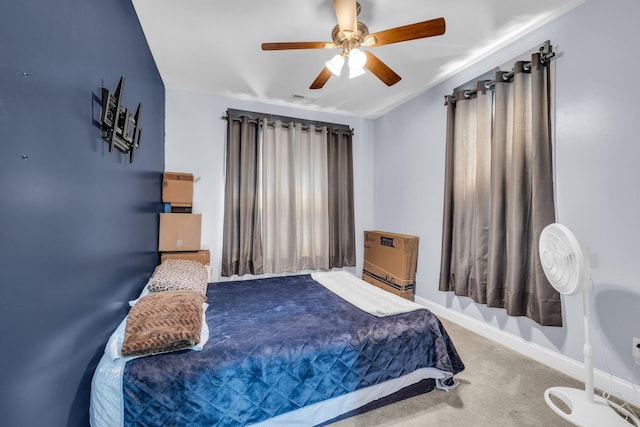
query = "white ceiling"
x=213 y=46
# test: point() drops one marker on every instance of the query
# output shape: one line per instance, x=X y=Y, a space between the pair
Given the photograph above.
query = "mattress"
x=282 y=350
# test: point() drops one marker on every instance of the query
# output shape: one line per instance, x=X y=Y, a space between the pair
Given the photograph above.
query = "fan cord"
x=606 y=394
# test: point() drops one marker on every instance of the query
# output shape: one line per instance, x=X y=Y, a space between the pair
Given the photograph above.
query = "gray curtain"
x=499 y=194
x=342 y=246
x=241 y=249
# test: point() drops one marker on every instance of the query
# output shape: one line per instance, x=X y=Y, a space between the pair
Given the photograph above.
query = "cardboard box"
x=173 y=208
x=406 y=294
x=177 y=188
x=390 y=261
x=202 y=256
x=179 y=232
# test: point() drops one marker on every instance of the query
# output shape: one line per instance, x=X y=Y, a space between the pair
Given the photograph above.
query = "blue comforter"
x=276 y=345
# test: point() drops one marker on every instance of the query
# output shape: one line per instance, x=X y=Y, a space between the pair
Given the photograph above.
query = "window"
x=288 y=195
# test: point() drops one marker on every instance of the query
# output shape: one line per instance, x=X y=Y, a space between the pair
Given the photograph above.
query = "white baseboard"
x=602 y=380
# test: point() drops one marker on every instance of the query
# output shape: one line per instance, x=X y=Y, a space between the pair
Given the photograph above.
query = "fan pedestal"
x=586 y=412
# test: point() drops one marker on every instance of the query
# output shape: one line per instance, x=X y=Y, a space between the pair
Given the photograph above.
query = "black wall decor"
x=120 y=128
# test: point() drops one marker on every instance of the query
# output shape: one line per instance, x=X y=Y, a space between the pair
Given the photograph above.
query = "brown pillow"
x=179 y=274
x=163 y=321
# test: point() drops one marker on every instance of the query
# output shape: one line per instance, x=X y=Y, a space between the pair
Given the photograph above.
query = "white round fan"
x=566 y=265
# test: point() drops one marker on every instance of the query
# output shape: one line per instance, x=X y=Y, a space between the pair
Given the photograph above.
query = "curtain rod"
x=255 y=117
x=546 y=54
x=287 y=125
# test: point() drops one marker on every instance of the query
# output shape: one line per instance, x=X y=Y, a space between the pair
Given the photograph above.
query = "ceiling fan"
x=351 y=34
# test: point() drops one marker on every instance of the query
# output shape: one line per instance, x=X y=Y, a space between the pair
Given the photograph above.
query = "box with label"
x=202 y=256
x=177 y=188
x=390 y=261
x=179 y=232
x=406 y=294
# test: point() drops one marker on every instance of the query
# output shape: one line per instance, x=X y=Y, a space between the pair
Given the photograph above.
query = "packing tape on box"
x=391 y=283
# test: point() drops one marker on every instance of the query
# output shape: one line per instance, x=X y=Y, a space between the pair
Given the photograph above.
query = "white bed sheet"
x=363 y=295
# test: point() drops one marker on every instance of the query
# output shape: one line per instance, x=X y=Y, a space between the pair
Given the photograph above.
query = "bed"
x=295 y=350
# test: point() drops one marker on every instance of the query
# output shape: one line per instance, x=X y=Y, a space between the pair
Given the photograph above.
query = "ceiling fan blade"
x=347 y=15
x=381 y=70
x=297 y=45
x=433 y=27
x=321 y=79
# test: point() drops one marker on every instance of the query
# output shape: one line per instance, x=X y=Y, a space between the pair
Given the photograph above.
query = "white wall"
x=195 y=141
x=597 y=177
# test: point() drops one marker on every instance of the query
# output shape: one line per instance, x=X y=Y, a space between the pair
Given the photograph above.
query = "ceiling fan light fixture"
x=355 y=72
x=335 y=64
x=357 y=58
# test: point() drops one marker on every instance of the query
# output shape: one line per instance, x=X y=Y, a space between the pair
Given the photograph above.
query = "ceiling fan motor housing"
x=348 y=40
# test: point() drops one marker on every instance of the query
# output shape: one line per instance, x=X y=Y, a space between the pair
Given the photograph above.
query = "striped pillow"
x=162 y=322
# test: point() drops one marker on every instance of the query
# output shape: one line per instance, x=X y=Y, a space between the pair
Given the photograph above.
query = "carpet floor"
x=498 y=388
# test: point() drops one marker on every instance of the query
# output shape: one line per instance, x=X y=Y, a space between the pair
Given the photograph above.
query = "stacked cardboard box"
x=202 y=256
x=177 y=192
x=390 y=261
x=179 y=231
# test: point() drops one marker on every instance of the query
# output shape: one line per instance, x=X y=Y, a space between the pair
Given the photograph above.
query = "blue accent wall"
x=78 y=225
